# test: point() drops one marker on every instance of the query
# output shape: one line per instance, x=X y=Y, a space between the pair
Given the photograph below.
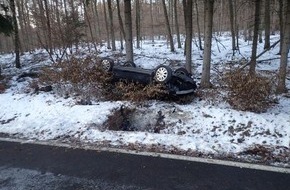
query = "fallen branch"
x=248 y=63
x=273 y=45
x=263 y=60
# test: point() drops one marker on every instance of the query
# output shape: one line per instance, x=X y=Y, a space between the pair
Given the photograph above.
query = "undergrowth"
x=249 y=93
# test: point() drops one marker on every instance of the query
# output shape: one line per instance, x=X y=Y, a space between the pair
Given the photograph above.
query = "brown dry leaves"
x=248 y=93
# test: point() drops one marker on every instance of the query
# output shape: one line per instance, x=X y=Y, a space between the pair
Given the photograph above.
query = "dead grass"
x=75 y=77
x=136 y=92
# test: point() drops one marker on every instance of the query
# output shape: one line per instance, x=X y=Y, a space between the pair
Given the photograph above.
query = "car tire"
x=162 y=74
x=107 y=64
x=182 y=71
x=129 y=64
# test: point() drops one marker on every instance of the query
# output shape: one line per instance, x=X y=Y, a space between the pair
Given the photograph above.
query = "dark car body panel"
x=135 y=74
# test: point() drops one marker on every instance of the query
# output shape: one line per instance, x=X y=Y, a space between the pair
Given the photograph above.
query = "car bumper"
x=182 y=92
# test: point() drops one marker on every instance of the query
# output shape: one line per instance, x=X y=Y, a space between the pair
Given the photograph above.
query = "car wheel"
x=107 y=64
x=163 y=74
x=182 y=71
x=129 y=64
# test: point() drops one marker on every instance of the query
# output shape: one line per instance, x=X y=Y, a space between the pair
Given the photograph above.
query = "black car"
x=178 y=82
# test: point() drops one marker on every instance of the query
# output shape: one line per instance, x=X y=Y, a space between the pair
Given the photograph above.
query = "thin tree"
x=120 y=23
x=281 y=88
x=253 y=61
x=177 y=24
x=169 y=34
x=187 y=9
x=233 y=33
x=87 y=17
x=107 y=26
x=128 y=30
x=205 y=77
x=16 y=34
x=48 y=25
x=281 y=24
x=198 y=26
x=267 y=21
x=151 y=21
x=138 y=18
x=98 y=18
x=112 y=32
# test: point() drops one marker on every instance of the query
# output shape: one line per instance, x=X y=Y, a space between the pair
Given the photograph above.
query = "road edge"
x=154 y=154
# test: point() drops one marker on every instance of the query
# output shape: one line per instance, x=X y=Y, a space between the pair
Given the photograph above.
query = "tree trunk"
x=169 y=34
x=48 y=27
x=177 y=24
x=98 y=20
x=281 y=23
x=281 y=88
x=151 y=20
x=128 y=30
x=233 y=33
x=252 y=70
x=107 y=26
x=112 y=32
x=89 y=25
x=198 y=26
x=138 y=15
x=267 y=21
x=205 y=77
x=187 y=7
x=16 y=35
x=120 y=23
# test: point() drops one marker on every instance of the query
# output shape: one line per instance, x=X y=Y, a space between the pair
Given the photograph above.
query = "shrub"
x=76 y=76
x=124 y=90
x=248 y=93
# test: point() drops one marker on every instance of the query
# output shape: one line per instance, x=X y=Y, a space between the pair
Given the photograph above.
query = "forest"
x=60 y=25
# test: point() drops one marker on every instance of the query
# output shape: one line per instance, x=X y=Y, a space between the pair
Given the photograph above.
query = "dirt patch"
x=133 y=119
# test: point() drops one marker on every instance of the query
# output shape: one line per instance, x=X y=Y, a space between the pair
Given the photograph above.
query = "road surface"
x=42 y=167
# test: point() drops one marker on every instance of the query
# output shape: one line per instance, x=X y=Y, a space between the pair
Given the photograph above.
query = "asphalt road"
x=40 y=167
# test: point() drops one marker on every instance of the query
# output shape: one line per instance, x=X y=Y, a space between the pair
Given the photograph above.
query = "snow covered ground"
x=198 y=128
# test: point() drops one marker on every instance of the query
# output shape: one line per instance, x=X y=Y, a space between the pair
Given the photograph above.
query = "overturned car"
x=177 y=82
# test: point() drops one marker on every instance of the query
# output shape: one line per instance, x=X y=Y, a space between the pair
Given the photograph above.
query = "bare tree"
x=97 y=18
x=128 y=30
x=205 y=77
x=107 y=26
x=187 y=9
x=253 y=61
x=138 y=18
x=169 y=34
x=16 y=34
x=281 y=24
x=112 y=32
x=233 y=33
x=177 y=24
x=49 y=40
x=151 y=21
x=267 y=21
x=120 y=23
x=281 y=88
x=87 y=19
x=198 y=26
